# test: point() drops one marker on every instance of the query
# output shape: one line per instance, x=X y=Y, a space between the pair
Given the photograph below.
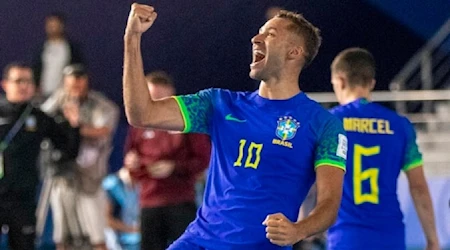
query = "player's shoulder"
x=316 y=110
x=391 y=115
x=320 y=117
x=101 y=99
x=225 y=95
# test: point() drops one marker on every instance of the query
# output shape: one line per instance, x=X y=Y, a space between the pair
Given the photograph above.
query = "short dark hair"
x=58 y=15
x=160 y=78
x=357 y=63
x=12 y=65
x=305 y=29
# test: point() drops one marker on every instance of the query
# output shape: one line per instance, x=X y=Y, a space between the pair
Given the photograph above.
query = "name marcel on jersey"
x=368 y=126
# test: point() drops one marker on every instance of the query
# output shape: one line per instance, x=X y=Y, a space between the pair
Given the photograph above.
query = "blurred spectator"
x=167 y=165
x=122 y=210
x=77 y=199
x=56 y=52
x=22 y=129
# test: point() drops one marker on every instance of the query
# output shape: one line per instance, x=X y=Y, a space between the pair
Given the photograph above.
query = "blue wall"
x=422 y=17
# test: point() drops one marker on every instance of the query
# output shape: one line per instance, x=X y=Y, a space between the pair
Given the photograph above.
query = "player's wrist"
x=300 y=231
x=131 y=35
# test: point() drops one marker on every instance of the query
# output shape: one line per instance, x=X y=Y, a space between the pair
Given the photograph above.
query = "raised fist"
x=140 y=19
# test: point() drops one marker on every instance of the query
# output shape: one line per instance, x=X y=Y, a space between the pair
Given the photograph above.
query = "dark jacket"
x=20 y=171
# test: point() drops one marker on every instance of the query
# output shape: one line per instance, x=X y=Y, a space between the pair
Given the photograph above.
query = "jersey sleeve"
x=331 y=149
x=196 y=110
x=412 y=157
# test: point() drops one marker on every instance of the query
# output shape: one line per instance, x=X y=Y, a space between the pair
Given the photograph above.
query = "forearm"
x=119 y=225
x=319 y=220
x=424 y=208
x=137 y=100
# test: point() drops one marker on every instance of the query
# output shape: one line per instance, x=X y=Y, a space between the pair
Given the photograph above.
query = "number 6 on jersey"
x=359 y=175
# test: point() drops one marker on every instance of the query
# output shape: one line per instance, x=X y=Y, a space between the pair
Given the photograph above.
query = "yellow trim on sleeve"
x=414 y=164
x=330 y=163
x=184 y=113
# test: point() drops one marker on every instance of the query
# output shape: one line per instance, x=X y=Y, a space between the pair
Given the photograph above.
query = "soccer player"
x=268 y=146
x=381 y=143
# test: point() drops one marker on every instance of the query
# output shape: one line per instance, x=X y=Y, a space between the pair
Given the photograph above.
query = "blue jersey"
x=263 y=160
x=380 y=144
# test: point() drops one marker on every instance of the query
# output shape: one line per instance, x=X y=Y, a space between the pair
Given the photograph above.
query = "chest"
x=56 y=54
x=264 y=139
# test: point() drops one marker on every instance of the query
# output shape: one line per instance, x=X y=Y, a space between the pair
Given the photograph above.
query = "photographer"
x=22 y=129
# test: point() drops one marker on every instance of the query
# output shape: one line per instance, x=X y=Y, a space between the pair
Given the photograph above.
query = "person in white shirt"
x=53 y=55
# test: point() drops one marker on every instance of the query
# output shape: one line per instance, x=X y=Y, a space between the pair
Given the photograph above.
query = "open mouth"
x=258 y=56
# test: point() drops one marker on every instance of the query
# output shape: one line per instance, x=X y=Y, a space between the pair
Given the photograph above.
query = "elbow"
x=135 y=121
x=132 y=118
x=418 y=188
x=332 y=212
x=419 y=192
x=136 y=118
x=333 y=218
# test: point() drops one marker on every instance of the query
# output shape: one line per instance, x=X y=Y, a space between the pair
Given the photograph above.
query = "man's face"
x=19 y=85
x=270 y=48
x=158 y=91
x=54 y=26
x=76 y=86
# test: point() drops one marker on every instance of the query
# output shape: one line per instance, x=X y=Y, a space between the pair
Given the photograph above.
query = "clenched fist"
x=140 y=19
x=280 y=230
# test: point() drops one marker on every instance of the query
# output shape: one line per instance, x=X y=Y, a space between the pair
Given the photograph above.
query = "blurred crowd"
x=57 y=135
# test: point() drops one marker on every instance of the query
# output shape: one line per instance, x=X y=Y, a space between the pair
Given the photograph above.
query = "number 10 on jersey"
x=253 y=154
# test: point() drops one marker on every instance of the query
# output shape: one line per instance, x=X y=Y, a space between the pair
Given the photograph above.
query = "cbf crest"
x=286 y=129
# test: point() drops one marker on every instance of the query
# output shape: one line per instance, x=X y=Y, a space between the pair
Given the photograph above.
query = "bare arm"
x=329 y=192
x=424 y=207
x=140 y=109
x=281 y=231
x=115 y=223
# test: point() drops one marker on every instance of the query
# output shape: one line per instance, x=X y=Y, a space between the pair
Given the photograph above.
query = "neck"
x=354 y=95
x=15 y=101
x=280 y=88
x=55 y=38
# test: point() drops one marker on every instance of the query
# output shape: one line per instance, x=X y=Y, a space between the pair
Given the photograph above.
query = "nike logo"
x=230 y=117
